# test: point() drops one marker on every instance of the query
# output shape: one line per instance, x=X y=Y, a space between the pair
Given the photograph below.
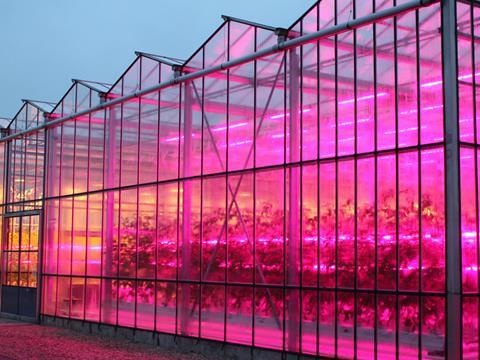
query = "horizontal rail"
x=22 y=213
x=281 y=46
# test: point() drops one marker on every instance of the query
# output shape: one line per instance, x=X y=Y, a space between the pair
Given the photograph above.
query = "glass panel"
x=130 y=143
x=82 y=125
x=64 y=300
x=268 y=318
x=328 y=226
x=385 y=76
x=433 y=326
x=79 y=235
x=465 y=73
x=213 y=312
x=67 y=158
x=94 y=234
x=168 y=147
x=50 y=242
x=270 y=111
x=386 y=222
x=433 y=220
x=309 y=322
x=77 y=298
x=65 y=237
x=126 y=303
x=346 y=224
x=468 y=221
x=127 y=245
x=189 y=236
x=269 y=217
x=49 y=295
x=149 y=135
x=365 y=92
x=366 y=223
x=327 y=99
x=470 y=328
x=214 y=123
x=430 y=67
x=365 y=311
x=345 y=95
x=240 y=206
x=145 y=306
x=96 y=150
x=239 y=315
x=213 y=229
x=167 y=231
x=309 y=251
x=166 y=307
x=108 y=313
x=147 y=229
x=111 y=228
x=188 y=309
x=386 y=326
x=92 y=300
x=327 y=321
x=345 y=320
x=408 y=322
x=408 y=221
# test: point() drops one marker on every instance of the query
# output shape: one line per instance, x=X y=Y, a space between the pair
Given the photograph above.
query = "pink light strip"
x=439 y=82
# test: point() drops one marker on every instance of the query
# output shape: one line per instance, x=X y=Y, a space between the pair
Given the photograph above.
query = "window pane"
x=269 y=215
x=147 y=227
x=240 y=228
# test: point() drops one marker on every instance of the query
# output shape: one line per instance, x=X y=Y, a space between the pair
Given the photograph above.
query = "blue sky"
x=43 y=44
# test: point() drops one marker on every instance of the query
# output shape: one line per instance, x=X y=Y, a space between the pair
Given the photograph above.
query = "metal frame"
x=452 y=183
x=247 y=22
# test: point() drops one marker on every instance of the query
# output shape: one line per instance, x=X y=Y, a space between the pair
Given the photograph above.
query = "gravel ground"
x=30 y=341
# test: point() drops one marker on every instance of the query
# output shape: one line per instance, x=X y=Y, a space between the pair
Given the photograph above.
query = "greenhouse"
x=311 y=190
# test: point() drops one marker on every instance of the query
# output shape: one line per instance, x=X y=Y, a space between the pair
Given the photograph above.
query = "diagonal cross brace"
x=234 y=194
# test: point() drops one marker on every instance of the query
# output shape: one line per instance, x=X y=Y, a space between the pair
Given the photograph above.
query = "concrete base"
x=21 y=318
x=178 y=343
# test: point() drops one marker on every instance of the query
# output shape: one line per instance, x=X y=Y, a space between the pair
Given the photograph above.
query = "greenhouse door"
x=20 y=264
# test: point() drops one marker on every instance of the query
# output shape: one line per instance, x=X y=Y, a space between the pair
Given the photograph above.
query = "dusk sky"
x=44 y=44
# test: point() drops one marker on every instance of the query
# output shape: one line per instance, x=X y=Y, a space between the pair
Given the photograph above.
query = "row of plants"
x=326 y=253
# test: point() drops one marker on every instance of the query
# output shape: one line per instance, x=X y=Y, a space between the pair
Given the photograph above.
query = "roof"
x=130 y=80
x=30 y=114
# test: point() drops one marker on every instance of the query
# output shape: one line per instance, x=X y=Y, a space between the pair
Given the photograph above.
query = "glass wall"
x=21 y=193
x=294 y=202
x=25 y=160
x=310 y=179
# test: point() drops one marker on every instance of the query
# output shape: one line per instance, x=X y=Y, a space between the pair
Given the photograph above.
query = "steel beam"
x=452 y=181
x=293 y=230
x=186 y=246
x=107 y=256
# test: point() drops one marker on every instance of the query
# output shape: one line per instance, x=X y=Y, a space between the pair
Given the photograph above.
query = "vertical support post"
x=3 y=228
x=293 y=270
x=452 y=180
x=39 y=289
x=186 y=249
x=110 y=159
x=51 y=212
x=3 y=264
x=42 y=239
